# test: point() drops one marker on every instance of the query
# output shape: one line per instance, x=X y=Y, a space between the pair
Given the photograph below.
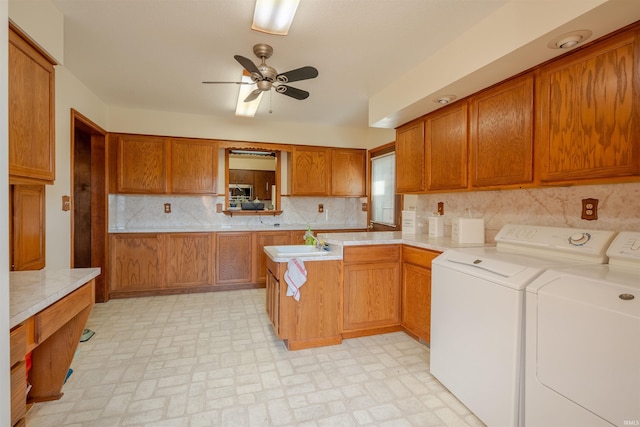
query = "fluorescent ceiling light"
x=274 y=16
x=247 y=109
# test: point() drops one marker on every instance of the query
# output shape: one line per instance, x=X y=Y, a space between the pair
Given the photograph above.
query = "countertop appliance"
x=477 y=312
x=583 y=342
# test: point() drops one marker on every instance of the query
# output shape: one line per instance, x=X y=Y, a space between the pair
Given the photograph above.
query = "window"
x=383 y=183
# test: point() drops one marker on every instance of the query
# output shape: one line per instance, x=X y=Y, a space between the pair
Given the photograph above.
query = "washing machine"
x=477 y=312
x=582 y=364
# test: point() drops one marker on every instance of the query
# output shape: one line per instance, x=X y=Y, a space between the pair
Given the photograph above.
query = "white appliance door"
x=588 y=345
x=476 y=343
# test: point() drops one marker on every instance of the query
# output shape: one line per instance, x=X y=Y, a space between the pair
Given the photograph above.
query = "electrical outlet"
x=590 y=209
x=364 y=207
x=167 y=208
x=320 y=208
x=218 y=207
x=440 y=208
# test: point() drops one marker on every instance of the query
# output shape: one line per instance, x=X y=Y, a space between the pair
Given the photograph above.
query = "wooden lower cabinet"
x=234 y=258
x=190 y=260
x=136 y=264
x=371 y=289
x=416 y=291
x=314 y=320
x=267 y=238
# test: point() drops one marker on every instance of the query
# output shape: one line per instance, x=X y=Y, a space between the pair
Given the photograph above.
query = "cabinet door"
x=348 y=172
x=416 y=300
x=194 y=167
x=446 y=145
x=190 y=260
x=31 y=111
x=240 y=176
x=141 y=164
x=588 y=106
x=371 y=295
x=501 y=121
x=273 y=300
x=137 y=263
x=27 y=227
x=310 y=171
x=410 y=158
x=234 y=259
x=263 y=180
x=267 y=238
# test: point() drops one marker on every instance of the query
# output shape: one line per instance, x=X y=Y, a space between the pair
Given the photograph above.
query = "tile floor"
x=213 y=360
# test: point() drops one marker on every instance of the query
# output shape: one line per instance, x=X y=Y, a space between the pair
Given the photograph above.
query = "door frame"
x=375 y=152
x=99 y=199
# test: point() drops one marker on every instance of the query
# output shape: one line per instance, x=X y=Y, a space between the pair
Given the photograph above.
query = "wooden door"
x=588 y=113
x=31 y=111
x=27 y=231
x=234 y=258
x=446 y=148
x=263 y=180
x=137 y=264
x=410 y=158
x=501 y=127
x=266 y=238
x=194 y=167
x=348 y=172
x=141 y=164
x=190 y=260
x=310 y=171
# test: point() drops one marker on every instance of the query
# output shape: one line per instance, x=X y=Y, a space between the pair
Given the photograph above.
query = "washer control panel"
x=626 y=246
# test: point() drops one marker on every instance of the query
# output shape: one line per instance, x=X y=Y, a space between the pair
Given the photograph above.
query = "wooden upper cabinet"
x=31 y=111
x=501 y=134
x=348 y=172
x=194 y=167
x=446 y=139
x=588 y=112
x=27 y=227
x=310 y=171
x=410 y=158
x=142 y=164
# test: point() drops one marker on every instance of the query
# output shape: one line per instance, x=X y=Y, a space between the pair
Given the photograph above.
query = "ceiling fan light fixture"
x=274 y=16
x=246 y=109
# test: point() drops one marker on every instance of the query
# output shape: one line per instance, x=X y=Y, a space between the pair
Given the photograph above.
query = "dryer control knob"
x=579 y=239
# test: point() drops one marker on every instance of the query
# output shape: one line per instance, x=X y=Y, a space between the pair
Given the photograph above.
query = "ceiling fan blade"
x=249 y=66
x=298 y=74
x=253 y=95
x=292 y=92
x=235 y=83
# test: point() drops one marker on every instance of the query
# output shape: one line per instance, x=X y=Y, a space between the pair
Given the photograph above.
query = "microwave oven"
x=240 y=192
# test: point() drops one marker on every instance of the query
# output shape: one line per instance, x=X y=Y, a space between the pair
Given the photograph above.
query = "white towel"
x=295 y=276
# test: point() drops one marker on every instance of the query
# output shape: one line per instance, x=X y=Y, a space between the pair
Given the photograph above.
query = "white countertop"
x=32 y=291
x=424 y=241
x=333 y=254
x=226 y=228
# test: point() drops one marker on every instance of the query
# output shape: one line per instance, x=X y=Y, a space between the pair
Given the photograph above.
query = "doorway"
x=89 y=200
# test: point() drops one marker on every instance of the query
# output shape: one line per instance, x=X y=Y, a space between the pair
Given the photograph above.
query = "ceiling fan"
x=266 y=77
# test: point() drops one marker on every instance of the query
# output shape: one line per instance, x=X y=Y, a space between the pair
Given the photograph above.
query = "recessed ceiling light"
x=569 y=40
x=445 y=99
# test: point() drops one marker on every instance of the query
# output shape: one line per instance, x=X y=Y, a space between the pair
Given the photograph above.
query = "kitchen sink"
x=299 y=250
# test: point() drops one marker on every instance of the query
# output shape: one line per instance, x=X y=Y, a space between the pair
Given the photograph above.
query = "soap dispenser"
x=308 y=237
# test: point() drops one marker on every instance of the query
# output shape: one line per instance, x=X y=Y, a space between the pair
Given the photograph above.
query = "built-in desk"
x=48 y=311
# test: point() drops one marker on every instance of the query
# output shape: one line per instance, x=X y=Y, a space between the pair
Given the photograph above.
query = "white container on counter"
x=467 y=230
x=436 y=226
x=408 y=222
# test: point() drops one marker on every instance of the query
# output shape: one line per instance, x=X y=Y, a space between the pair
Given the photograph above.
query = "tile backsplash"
x=139 y=212
x=618 y=207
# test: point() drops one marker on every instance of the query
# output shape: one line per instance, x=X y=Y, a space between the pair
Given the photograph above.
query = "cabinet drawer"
x=18 y=340
x=421 y=257
x=371 y=253
x=53 y=318
x=18 y=392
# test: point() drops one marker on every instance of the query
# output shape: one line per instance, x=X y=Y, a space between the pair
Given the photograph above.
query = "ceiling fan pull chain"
x=270 y=102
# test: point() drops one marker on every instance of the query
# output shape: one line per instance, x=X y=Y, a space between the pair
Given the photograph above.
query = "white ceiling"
x=154 y=54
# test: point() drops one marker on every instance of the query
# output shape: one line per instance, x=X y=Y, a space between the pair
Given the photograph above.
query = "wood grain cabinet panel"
x=588 y=112
x=194 y=167
x=141 y=164
x=348 y=172
x=262 y=182
x=446 y=139
x=410 y=158
x=27 y=228
x=501 y=126
x=310 y=171
x=190 y=260
x=137 y=263
x=262 y=239
x=31 y=111
x=234 y=258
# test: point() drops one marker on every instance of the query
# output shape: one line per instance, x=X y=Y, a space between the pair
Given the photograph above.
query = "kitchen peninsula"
x=367 y=283
x=48 y=310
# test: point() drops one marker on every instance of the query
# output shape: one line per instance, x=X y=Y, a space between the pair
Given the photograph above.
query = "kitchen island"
x=48 y=311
